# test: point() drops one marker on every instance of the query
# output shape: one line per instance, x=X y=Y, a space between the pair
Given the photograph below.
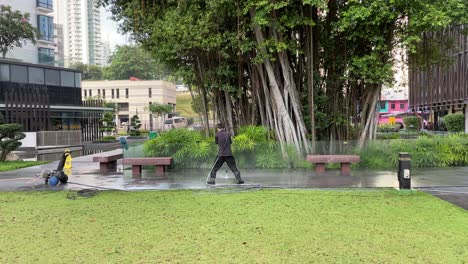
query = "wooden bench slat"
x=148 y=161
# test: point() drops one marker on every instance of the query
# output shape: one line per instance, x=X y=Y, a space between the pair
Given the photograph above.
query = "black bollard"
x=404 y=170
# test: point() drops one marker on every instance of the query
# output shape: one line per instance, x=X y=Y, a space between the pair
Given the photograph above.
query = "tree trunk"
x=366 y=132
x=285 y=126
x=204 y=98
x=310 y=77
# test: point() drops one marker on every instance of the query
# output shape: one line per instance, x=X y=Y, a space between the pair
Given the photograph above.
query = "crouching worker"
x=223 y=139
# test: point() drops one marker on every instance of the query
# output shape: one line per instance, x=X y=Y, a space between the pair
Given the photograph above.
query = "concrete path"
x=450 y=184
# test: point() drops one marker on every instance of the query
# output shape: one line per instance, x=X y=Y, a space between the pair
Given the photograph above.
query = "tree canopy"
x=15 y=29
x=132 y=61
x=303 y=68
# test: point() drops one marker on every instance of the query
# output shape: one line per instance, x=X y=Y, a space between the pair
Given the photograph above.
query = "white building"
x=133 y=98
x=42 y=17
x=81 y=20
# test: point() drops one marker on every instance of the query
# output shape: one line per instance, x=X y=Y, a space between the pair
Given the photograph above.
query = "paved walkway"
x=450 y=184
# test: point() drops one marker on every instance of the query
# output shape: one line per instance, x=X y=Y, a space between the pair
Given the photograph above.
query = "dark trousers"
x=231 y=162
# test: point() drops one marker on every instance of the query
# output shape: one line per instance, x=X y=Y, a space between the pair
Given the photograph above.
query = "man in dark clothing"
x=223 y=139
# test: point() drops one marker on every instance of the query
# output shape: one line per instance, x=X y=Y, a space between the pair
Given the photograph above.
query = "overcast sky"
x=110 y=30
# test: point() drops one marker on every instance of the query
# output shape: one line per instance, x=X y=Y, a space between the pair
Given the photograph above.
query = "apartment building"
x=133 y=97
x=42 y=17
x=81 y=20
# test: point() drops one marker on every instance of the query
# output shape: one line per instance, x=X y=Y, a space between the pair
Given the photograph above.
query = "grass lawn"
x=184 y=105
x=14 y=165
x=267 y=226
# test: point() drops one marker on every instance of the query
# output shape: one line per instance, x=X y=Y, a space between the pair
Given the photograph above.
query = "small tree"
x=135 y=126
x=107 y=123
x=10 y=136
x=160 y=110
x=15 y=29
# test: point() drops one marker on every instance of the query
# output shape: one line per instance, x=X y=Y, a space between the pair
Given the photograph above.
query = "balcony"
x=45 y=6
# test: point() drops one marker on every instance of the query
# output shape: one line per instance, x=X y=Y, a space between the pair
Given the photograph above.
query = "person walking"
x=223 y=139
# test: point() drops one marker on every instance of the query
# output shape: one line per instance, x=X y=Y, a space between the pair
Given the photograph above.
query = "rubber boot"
x=238 y=177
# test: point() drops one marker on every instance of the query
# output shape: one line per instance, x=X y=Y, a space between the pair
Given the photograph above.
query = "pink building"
x=390 y=108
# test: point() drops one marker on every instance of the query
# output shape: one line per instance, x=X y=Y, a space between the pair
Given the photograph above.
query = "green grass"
x=14 y=165
x=184 y=105
x=267 y=226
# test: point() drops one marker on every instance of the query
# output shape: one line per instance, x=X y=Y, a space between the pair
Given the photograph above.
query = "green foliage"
x=388 y=128
x=132 y=61
x=412 y=122
x=10 y=136
x=388 y=135
x=256 y=133
x=107 y=123
x=438 y=151
x=455 y=122
x=88 y=72
x=188 y=148
x=108 y=138
x=15 y=29
x=135 y=125
x=159 y=109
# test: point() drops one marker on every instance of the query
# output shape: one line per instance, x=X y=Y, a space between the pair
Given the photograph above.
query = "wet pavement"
x=450 y=184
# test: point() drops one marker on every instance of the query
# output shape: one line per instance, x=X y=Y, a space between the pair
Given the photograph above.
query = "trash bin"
x=152 y=135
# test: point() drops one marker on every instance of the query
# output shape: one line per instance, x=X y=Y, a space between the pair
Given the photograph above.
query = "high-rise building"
x=81 y=20
x=42 y=17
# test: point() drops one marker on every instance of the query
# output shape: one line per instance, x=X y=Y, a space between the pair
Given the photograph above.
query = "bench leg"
x=319 y=168
x=159 y=169
x=345 y=169
x=105 y=167
x=136 y=171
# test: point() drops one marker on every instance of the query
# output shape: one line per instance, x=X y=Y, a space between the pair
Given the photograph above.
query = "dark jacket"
x=223 y=139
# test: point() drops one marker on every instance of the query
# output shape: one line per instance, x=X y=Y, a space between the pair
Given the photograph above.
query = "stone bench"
x=345 y=160
x=159 y=163
x=107 y=163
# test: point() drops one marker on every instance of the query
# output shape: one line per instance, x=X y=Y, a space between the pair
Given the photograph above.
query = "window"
x=150 y=94
x=36 y=75
x=402 y=106
x=46 y=56
x=126 y=92
x=45 y=25
x=52 y=77
x=99 y=93
x=103 y=93
x=85 y=93
x=67 y=78
x=4 y=72
x=90 y=93
x=382 y=105
x=118 y=95
x=122 y=106
x=77 y=79
x=19 y=73
x=112 y=93
x=46 y=4
x=392 y=106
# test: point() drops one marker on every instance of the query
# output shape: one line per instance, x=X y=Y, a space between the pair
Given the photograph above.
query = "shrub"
x=388 y=128
x=388 y=135
x=188 y=148
x=412 y=122
x=436 y=151
x=455 y=122
x=10 y=136
x=108 y=138
x=256 y=133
